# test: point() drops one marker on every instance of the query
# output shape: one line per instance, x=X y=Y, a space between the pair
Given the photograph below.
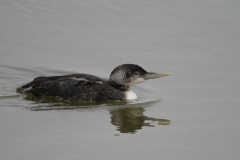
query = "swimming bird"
x=85 y=87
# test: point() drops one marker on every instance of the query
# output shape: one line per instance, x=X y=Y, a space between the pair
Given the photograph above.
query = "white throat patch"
x=130 y=95
x=136 y=81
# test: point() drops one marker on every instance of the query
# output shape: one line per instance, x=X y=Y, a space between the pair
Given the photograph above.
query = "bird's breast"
x=130 y=95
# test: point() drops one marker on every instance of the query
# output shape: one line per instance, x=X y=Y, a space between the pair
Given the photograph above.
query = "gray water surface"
x=192 y=114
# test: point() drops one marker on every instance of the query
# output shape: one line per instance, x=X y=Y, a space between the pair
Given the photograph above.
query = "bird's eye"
x=136 y=73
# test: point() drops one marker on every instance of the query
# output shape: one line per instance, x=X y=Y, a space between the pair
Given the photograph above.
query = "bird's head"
x=130 y=74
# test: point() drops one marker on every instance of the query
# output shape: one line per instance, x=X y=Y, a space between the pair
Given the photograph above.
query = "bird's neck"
x=130 y=95
x=119 y=87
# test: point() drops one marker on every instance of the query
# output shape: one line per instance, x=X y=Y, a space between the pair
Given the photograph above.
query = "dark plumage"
x=85 y=87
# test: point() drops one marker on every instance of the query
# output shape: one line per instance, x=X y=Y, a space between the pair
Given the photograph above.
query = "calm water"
x=192 y=114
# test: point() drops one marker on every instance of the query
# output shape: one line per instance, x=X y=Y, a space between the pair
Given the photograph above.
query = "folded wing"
x=76 y=87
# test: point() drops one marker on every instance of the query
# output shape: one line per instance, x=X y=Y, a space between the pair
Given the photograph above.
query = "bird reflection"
x=129 y=120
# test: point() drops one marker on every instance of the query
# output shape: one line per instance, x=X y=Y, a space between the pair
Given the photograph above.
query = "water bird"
x=84 y=87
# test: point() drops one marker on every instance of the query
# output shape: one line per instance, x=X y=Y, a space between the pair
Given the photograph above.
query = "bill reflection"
x=129 y=120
